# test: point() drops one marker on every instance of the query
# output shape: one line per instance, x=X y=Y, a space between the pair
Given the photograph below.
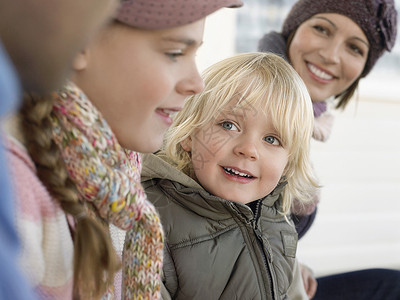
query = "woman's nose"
x=331 y=53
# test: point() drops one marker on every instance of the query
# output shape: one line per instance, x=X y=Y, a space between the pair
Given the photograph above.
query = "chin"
x=153 y=145
x=149 y=145
x=318 y=96
x=238 y=200
x=149 y=148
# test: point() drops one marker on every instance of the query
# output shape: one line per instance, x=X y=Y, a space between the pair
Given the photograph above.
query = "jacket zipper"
x=261 y=244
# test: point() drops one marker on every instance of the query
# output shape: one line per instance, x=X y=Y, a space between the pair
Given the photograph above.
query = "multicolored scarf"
x=108 y=176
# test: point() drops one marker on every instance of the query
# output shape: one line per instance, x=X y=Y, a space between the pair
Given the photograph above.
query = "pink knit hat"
x=162 y=14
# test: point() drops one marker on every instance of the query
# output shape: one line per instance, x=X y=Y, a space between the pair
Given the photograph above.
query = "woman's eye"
x=321 y=29
x=272 y=140
x=228 y=125
x=356 y=49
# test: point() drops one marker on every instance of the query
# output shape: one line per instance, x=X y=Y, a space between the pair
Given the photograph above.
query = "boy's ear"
x=81 y=60
x=186 y=144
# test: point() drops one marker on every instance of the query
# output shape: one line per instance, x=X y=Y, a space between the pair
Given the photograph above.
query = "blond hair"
x=260 y=80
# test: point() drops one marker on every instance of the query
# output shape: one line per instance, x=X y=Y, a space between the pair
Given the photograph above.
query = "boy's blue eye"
x=228 y=125
x=272 y=140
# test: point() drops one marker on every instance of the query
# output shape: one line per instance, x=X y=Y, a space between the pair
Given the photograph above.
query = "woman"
x=332 y=45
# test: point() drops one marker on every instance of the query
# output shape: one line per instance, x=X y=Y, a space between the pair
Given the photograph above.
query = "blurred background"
x=358 y=222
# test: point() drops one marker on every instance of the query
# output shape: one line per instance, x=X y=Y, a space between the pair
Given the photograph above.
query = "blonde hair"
x=260 y=80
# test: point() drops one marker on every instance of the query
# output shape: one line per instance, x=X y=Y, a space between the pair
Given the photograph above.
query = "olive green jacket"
x=219 y=249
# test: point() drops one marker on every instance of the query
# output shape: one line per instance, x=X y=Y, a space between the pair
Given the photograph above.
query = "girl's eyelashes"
x=272 y=140
x=173 y=55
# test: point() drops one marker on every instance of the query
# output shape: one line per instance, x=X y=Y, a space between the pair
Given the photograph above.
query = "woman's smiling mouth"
x=318 y=73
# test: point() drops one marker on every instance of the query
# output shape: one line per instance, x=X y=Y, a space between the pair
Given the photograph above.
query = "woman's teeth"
x=319 y=73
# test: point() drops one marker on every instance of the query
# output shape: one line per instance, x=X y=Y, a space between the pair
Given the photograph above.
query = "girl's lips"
x=319 y=74
x=167 y=114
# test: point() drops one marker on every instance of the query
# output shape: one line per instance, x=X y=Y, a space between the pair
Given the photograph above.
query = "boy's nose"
x=247 y=149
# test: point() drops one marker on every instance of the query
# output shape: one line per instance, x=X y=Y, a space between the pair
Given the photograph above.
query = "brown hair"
x=345 y=96
x=95 y=260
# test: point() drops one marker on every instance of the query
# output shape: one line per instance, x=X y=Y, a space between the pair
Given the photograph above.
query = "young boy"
x=233 y=160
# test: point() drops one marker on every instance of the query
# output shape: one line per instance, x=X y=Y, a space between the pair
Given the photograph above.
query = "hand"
x=310 y=284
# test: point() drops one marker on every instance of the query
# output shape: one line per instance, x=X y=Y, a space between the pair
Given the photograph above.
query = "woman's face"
x=329 y=51
x=139 y=78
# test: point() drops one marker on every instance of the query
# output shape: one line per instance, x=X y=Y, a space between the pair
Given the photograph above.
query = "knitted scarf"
x=108 y=176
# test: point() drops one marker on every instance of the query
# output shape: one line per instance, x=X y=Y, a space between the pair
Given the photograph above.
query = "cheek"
x=151 y=92
x=200 y=158
x=202 y=154
x=299 y=43
x=295 y=54
x=276 y=168
x=353 y=70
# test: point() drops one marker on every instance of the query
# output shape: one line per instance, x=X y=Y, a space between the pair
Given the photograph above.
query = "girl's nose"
x=191 y=84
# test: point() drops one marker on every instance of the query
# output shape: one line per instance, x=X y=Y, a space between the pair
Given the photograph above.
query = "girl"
x=136 y=73
x=233 y=158
x=332 y=45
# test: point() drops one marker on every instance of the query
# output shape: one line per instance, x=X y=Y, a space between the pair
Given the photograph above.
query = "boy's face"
x=43 y=36
x=238 y=156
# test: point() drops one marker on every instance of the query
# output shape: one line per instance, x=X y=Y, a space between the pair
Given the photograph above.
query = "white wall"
x=358 y=224
x=219 y=38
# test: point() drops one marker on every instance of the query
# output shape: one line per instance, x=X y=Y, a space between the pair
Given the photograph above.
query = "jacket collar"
x=182 y=187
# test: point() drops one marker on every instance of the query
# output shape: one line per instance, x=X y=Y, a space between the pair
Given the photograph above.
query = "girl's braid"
x=95 y=261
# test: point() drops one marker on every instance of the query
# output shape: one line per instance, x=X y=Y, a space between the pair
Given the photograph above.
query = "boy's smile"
x=236 y=175
x=239 y=155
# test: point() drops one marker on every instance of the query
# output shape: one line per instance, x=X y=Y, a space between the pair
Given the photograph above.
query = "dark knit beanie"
x=376 y=18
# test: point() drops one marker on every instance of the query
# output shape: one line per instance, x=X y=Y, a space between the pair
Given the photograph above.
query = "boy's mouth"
x=235 y=172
